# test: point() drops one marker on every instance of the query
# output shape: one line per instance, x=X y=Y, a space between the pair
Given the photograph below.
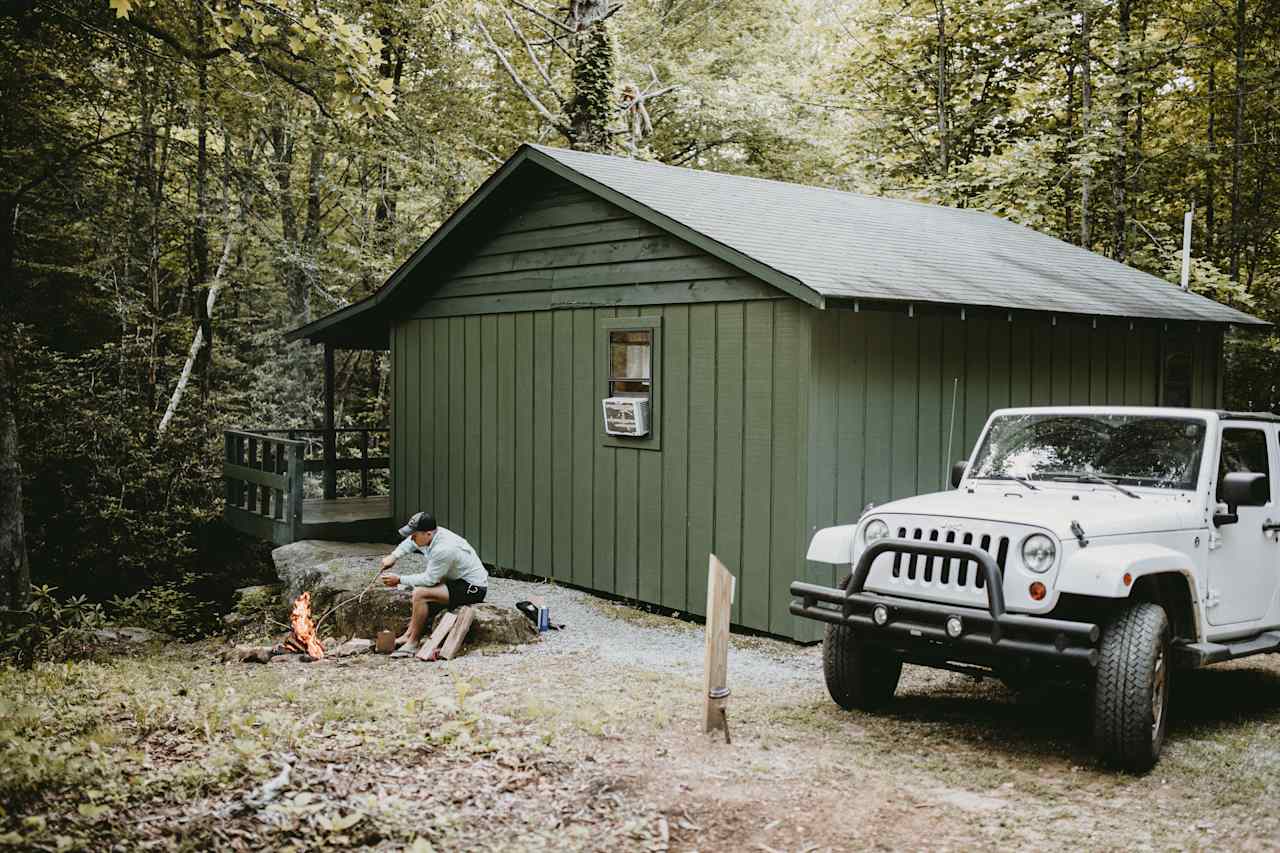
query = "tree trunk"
x=198 y=341
x=943 y=152
x=1237 y=153
x=1211 y=168
x=15 y=571
x=1120 y=181
x=200 y=231
x=594 y=84
x=388 y=190
x=1068 y=202
x=1086 y=107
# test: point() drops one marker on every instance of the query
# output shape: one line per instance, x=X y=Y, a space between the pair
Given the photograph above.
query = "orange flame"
x=303 y=628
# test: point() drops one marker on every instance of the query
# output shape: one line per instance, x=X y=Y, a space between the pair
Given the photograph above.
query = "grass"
x=175 y=752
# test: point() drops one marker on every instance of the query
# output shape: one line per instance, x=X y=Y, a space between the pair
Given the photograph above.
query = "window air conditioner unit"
x=626 y=416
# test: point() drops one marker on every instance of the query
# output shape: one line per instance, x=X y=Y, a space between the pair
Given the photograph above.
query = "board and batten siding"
x=498 y=427
x=883 y=386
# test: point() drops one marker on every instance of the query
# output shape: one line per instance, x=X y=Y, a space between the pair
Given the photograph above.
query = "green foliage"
x=1253 y=369
x=110 y=510
x=46 y=625
x=168 y=608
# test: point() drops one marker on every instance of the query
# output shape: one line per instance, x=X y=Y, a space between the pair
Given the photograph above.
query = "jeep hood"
x=1100 y=513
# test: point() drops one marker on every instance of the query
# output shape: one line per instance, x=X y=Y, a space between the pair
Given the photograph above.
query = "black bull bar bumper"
x=984 y=632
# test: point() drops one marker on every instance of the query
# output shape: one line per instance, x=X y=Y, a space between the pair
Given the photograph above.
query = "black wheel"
x=1131 y=688
x=859 y=675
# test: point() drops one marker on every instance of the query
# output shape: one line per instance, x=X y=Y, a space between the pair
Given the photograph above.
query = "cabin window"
x=631 y=363
x=628 y=357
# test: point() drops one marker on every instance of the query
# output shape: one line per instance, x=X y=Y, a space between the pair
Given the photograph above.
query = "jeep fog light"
x=954 y=626
x=1038 y=553
x=880 y=614
x=875 y=530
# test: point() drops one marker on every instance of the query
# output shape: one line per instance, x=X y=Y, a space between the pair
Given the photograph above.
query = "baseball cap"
x=418 y=521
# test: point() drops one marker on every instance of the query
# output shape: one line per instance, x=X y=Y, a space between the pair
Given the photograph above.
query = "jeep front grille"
x=949 y=571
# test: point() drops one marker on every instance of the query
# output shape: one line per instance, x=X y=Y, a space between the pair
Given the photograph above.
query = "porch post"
x=330 y=438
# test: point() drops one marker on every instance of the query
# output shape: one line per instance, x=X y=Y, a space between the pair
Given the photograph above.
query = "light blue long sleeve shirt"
x=448 y=557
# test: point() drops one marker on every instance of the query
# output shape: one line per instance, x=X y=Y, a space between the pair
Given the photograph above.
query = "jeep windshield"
x=1129 y=450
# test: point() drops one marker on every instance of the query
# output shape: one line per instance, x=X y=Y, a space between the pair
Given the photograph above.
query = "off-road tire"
x=860 y=676
x=1131 y=688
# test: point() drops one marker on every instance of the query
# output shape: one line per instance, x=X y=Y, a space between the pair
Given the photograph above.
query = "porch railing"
x=359 y=442
x=263 y=475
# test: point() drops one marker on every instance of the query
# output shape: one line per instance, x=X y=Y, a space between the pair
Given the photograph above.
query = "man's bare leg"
x=423 y=597
x=417 y=615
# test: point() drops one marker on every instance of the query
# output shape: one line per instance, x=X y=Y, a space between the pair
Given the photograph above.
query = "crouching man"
x=454 y=575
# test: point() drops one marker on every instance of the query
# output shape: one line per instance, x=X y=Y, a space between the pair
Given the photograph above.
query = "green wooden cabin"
x=807 y=350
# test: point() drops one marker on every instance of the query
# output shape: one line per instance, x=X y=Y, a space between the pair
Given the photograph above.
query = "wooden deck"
x=264 y=475
x=349 y=519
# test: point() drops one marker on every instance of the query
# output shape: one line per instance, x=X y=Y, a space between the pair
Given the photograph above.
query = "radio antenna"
x=946 y=463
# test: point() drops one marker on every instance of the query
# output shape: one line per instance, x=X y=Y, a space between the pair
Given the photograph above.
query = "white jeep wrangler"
x=1106 y=544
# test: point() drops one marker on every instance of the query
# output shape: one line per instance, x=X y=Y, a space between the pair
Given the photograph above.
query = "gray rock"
x=132 y=635
x=258 y=612
x=340 y=573
x=250 y=598
x=496 y=625
x=356 y=646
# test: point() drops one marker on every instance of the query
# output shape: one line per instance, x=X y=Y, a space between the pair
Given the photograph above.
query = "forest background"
x=183 y=181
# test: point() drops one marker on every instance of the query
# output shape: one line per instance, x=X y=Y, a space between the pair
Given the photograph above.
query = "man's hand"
x=390 y=579
x=388 y=561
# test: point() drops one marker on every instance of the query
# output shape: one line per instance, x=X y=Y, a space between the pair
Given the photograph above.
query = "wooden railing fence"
x=362 y=445
x=263 y=475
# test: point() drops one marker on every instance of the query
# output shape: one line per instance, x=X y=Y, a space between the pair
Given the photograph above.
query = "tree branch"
x=515 y=77
x=58 y=167
x=547 y=18
x=542 y=71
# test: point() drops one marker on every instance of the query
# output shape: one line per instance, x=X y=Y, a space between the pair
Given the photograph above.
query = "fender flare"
x=1099 y=571
x=833 y=544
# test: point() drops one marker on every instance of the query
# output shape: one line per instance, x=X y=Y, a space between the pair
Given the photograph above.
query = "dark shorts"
x=461 y=592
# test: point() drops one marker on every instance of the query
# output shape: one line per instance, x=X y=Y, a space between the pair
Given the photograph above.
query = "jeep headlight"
x=875 y=530
x=1038 y=552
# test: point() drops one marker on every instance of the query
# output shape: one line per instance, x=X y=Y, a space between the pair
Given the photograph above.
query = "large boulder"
x=497 y=626
x=344 y=574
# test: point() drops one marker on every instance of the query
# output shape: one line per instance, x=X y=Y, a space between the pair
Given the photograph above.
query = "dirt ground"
x=589 y=740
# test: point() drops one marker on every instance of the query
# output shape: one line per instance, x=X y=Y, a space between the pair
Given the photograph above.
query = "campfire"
x=302 y=639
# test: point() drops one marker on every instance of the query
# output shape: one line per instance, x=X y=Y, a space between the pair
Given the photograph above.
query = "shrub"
x=47 y=625
x=169 y=608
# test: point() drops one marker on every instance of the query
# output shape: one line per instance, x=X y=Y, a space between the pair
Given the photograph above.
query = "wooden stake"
x=720 y=588
x=461 y=626
x=427 y=652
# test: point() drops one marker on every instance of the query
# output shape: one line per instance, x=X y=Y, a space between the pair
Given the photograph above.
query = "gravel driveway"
x=615 y=633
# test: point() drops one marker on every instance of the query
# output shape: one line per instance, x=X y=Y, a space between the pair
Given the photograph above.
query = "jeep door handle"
x=1270 y=526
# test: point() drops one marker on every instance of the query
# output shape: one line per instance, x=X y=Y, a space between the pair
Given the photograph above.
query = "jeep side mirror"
x=957 y=472
x=1244 y=488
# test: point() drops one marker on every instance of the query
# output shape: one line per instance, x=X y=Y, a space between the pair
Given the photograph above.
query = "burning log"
x=302 y=639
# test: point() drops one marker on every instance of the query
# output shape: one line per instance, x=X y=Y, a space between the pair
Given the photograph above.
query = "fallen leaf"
x=92 y=812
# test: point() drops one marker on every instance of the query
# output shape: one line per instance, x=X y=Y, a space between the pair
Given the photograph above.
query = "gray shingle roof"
x=853 y=246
